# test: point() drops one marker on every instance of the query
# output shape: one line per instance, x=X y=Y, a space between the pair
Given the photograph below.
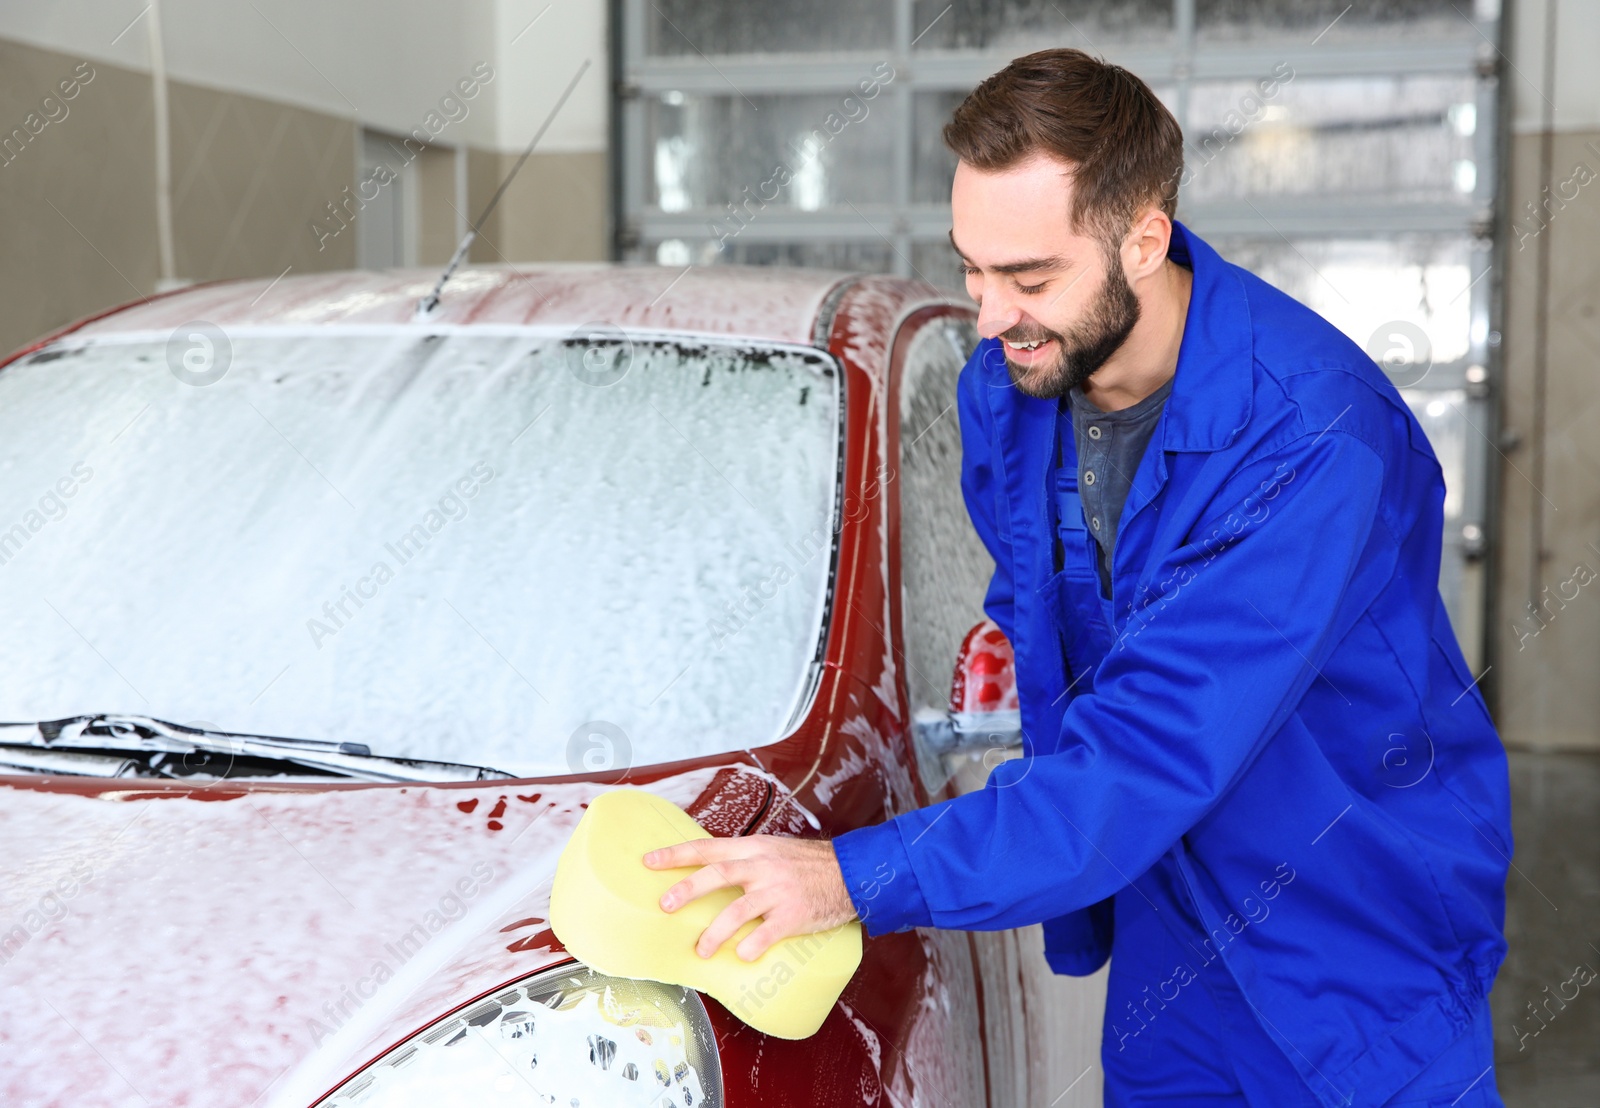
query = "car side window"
x=944 y=567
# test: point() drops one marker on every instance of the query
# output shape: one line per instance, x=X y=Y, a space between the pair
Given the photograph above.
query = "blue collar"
x=1211 y=388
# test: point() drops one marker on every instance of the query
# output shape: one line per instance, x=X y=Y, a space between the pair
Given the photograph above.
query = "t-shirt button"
x=1095 y=523
x=1094 y=432
x=1088 y=477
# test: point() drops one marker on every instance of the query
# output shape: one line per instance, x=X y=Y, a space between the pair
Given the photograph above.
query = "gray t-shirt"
x=1110 y=445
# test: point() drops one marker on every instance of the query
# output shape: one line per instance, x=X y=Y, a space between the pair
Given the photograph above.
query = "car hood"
x=257 y=946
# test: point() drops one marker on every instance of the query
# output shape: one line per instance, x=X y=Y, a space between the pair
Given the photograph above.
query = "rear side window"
x=944 y=567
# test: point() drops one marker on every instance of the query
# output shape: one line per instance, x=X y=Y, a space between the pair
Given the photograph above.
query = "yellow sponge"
x=605 y=908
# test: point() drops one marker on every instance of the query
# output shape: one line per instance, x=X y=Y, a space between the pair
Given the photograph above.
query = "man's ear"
x=1145 y=248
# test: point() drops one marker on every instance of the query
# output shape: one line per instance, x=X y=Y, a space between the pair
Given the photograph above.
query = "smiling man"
x=1257 y=773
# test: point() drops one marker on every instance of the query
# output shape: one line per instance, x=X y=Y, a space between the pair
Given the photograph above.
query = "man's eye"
x=969 y=270
x=1031 y=289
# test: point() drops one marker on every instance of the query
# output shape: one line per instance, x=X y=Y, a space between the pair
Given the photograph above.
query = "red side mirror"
x=985 y=681
x=983 y=714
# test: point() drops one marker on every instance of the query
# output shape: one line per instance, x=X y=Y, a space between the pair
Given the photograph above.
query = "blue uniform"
x=1268 y=722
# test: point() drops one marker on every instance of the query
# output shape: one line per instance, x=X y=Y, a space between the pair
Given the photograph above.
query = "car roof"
x=761 y=302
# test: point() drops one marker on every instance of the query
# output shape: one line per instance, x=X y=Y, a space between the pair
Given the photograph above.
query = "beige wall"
x=437 y=233
x=483 y=177
x=79 y=232
x=1547 y=665
x=1549 y=688
x=556 y=209
x=77 y=200
x=384 y=61
x=249 y=178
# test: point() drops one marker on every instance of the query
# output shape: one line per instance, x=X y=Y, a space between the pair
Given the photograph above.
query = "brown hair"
x=1124 y=146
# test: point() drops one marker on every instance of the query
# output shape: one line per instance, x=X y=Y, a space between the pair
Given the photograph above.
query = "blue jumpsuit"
x=1261 y=759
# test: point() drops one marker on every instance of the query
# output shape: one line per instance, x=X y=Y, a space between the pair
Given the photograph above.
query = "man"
x=1258 y=774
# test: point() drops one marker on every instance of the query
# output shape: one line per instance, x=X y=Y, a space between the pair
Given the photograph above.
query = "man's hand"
x=794 y=884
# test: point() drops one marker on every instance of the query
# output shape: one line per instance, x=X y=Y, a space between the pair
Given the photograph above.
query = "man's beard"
x=1084 y=348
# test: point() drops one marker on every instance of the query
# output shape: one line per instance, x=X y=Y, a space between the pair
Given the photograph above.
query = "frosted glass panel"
x=871 y=257
x=937 y=264
x=1335 y=21
x=933 y=165
x=1394 y=138
x=1443 y=414
x=804 y=152
x=858 y=257
x=1027 y=25
x=696 y=27
x=1403 y=300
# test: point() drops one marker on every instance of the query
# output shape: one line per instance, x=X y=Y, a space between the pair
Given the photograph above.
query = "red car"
x=325 y=622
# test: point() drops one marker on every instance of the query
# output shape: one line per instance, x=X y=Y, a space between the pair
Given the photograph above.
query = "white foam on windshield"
x=531 y=551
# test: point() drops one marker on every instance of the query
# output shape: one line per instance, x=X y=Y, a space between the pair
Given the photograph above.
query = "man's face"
x=1036 y=280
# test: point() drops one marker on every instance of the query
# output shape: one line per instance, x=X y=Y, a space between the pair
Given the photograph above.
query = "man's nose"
x=996 y=316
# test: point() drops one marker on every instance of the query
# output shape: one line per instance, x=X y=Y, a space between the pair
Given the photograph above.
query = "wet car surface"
x=697 y=533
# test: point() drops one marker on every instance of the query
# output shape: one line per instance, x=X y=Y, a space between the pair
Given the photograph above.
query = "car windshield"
x=513 y=548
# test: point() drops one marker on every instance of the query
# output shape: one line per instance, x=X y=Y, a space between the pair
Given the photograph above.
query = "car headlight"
x=570 y=1037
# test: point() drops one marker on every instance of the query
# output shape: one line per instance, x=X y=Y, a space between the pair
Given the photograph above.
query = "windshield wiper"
x=140 y=746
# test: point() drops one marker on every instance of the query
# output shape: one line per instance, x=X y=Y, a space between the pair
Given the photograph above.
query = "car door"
x=1041 y=1032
